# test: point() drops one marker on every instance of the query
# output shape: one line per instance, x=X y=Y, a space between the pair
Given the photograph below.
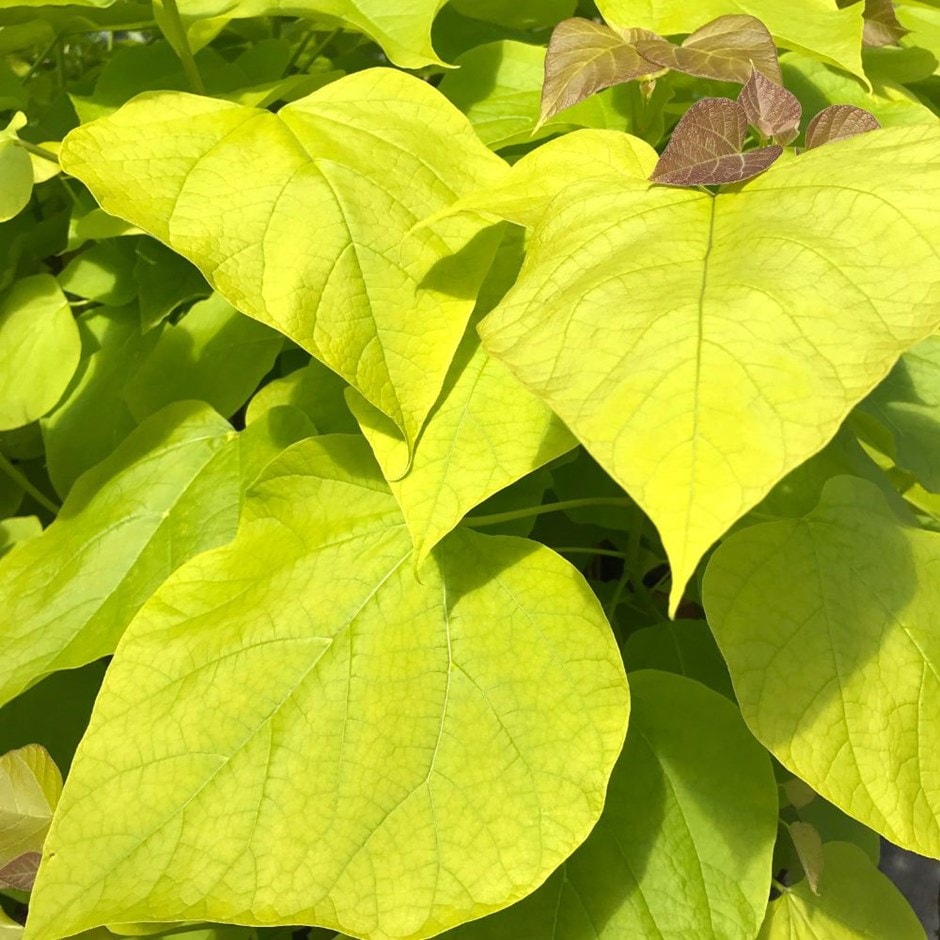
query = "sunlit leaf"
x=679 y=335
x=855 y=900
x=705 y=147
x=39 y=349
x=809 y=849
x=837 y=673
x=383 y=309
x=440 y=783
x=838 y=122
x=770 y=108
x=585 y=57
x=16 y=170
x=727 y=49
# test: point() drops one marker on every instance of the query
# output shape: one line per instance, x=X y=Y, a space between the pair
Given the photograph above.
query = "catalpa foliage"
x=467 y=469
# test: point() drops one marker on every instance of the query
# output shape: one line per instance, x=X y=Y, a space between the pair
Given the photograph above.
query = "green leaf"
x=30 y=786
x=213 y=354
x=855 y=900
x=809 y=850
x=440 y=783
x=9 y=929
x=685 y=647
x=726 y=49
x=684 y=846
x=93 y=417
x=165 y=282
x=695 y=411
x=817 y=86
x=16 y=170
x=104 y=273
x=834 y=825
x=585 y=57
x=383 y=309
x=705 y=147
x=39 y=349
x=170 y=491
x=820 y=29
x=17 y=529
x=839 y=122
x=829 y=625
x=907 y=403
x=521 y=14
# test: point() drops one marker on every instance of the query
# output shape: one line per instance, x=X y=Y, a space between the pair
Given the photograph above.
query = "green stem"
x=782 y=888
x=24 y=484
x=180 y=41
x=34 y=68
x=320 y=46
x=581 y=550
x=498 y=517
x=38 y=151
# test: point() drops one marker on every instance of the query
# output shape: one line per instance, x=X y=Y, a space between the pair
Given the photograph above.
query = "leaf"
x=817 y=86
x=9 y=929
x=440 y=783
x=820 y=29
x=834 y=825
x=705 y=147
x=684 y=846
x=384 y=310
x=521 y=14
x=165 y=282
x=104 y=272
x=838 y=122
x=30 y=786
x=809 y=850
x=829 y=628
x=907 y=403
x=213 y=354
x=881 y=24
x=93 y=418
x=855 y=900
x=770 y=108
x=17 y=529
x=726 y=49
x=585 y=57
x=695 y=411
x=170 y=491
x=39 y=349
x=16 y=170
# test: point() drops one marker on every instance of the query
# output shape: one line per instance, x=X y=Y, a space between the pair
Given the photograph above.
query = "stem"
x=180 y=41
x=581 y=550
x=497 y=517
x=27 y=487
x=779 y=885
x=320 y=46
x=38 y=151
x=34 y=68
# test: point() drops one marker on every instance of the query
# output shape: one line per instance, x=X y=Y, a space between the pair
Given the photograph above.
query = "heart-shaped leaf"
x=583 y=58
x=725 y=50
x=770 y=108
x=722 y=317
x=378 y=752
x=837 y=122
x=280 y=214
x=705 y=147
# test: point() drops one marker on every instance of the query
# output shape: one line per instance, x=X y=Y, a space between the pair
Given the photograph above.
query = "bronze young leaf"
x=770 y=108
x=837 y=122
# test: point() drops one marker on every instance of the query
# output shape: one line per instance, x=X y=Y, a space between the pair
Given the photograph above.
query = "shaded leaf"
x=103 y=272
x=705 y=147
x=683 y=848
x=703 y=380
x=907 y=404
x=809 y=850
x=830 y=626
x=171 y=490
x=520 y=14
x=165 y=282
x=17 y=529
x=383 y=309
x=838 y=122
x=30 y=786
x=441 y=781
x=770 y=108
x=881 y=24
x=726 y=49
x=826 y=33
x=584 y=57
x=16 y=170
x=855 y=900
x=39 y=349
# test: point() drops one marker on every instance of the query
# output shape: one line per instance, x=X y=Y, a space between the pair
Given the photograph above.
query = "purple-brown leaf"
x=770 y=108
x=705 y=147
x=585 y=57
x=837 y=122
x=21 y=872
x=723 y=49
x=881 y=23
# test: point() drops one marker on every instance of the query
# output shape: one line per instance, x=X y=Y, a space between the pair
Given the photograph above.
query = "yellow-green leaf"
x=324 y=737
x=830 y=625
x=235 y=190
x=682 y=336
